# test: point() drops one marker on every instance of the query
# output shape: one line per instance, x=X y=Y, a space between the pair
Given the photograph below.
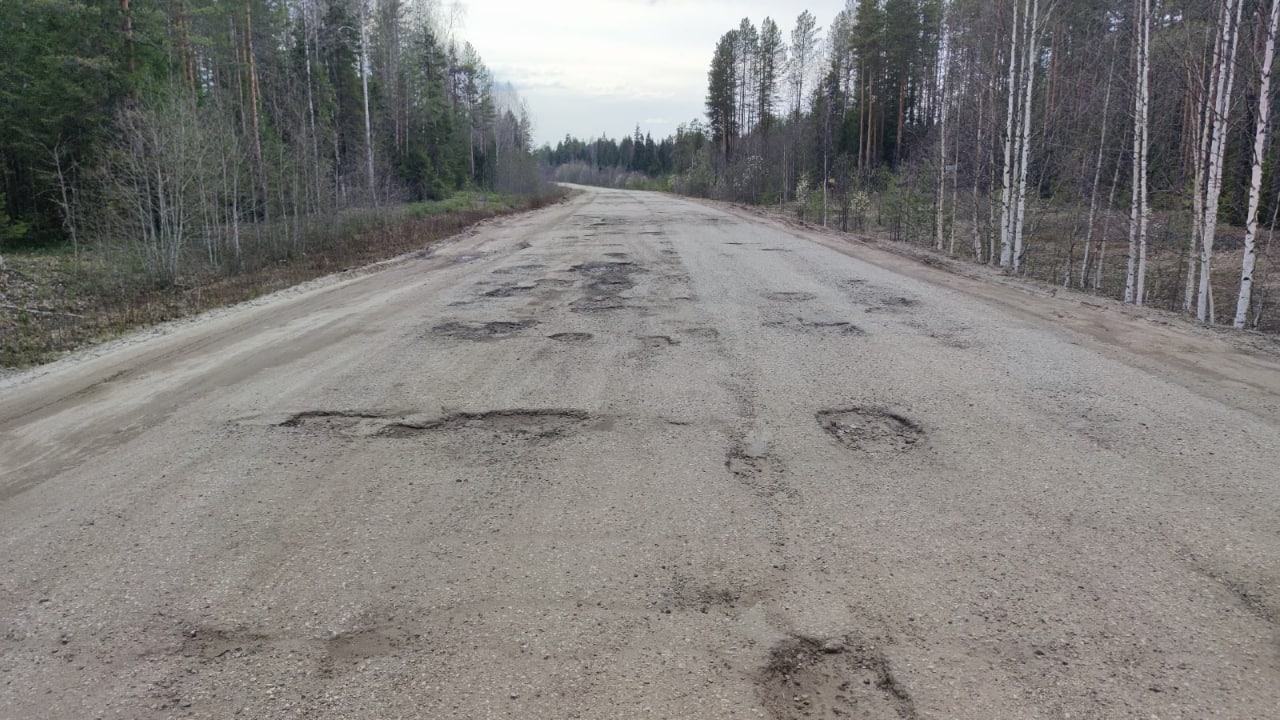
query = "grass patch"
x=53 y=301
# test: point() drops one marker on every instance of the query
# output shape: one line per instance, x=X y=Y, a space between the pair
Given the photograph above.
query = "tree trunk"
x=1255 y=178
x=1024 y=135
x=1097 y=176
x=938 y=220
x=1006 y=191
x=1225 y=71
x=1134 y=279
x=255 y=112
x=368 y=126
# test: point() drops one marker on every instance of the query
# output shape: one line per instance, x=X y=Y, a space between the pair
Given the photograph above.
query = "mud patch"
x=818 y=327
x=809 y=678
x=571 y=337
x=790 y=296
x=496 y=426
x=871 y=430
x=480 y=332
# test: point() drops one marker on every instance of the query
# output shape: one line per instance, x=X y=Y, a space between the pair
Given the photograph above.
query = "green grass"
x=464 y=201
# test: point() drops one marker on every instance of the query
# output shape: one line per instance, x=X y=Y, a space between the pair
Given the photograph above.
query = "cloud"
x=604 y=64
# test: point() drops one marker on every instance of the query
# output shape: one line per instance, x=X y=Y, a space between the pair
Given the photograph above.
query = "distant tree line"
x=1122 y=146
x=207 y=133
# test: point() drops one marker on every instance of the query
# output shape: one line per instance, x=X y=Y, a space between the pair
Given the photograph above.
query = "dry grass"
x=53 y=302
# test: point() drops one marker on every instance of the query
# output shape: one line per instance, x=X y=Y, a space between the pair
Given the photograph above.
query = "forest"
x=202 y=137
x=1123 y=147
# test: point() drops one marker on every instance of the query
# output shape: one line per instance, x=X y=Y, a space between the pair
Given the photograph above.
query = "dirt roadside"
x=1241 y=368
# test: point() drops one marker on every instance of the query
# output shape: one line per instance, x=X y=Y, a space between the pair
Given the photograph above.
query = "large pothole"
x=811 y=678
x=871 y=430
x=510 y=291
x=337 y=422
x=493 y=428
x=818 y=327
x=499 y=426
x=571 y=337
x=479 y=332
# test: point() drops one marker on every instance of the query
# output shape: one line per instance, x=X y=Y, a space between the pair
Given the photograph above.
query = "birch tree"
x=1260 y=136
x=1140 y=213
x=1218 y=111
x=1023 y=58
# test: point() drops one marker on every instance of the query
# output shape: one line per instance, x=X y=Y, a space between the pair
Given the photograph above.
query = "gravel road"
x=636 y=457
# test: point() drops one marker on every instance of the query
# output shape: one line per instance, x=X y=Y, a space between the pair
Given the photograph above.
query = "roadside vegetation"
x=161 y=159
x=1120 y=147
x=53 y=300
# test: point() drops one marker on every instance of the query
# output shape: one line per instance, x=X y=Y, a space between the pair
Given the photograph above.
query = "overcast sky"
x=592 y=67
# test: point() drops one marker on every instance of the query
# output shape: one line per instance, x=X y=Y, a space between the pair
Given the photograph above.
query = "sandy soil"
x=631 y=456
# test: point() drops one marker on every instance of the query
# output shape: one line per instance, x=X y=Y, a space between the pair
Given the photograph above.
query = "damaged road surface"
x=635 y=457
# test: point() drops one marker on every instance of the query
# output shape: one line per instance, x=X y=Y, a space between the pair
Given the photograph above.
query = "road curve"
x=636 y=457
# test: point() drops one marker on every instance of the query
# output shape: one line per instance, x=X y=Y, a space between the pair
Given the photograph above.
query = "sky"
x=598 y=67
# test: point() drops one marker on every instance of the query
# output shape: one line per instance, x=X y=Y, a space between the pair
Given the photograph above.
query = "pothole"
x=689 y=594
x=871 y=430
x=611 y=285
x=216 y=644
x=605 y=268
x=510 y=291
x=893 y=304
x=498 y=426
x=598 y=304
x=810 y=678
x=702 y=333
x=658 y=341
x=571 y=337
x=336 y=422
x=818 y=327
x=519 y=269
x=762 y=473
x=553 y=282
x=482 y=331
x=782 y=250
x=617 y=255
x=349 y=648
x=791 y=296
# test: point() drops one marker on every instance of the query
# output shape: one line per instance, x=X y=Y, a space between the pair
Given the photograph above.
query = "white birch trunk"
x=1006 y=192
x=942 y=157
x=364 y=81
x=1255 y=178
x=1024 y=133
x=1225 y=69
x=1138 y=214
